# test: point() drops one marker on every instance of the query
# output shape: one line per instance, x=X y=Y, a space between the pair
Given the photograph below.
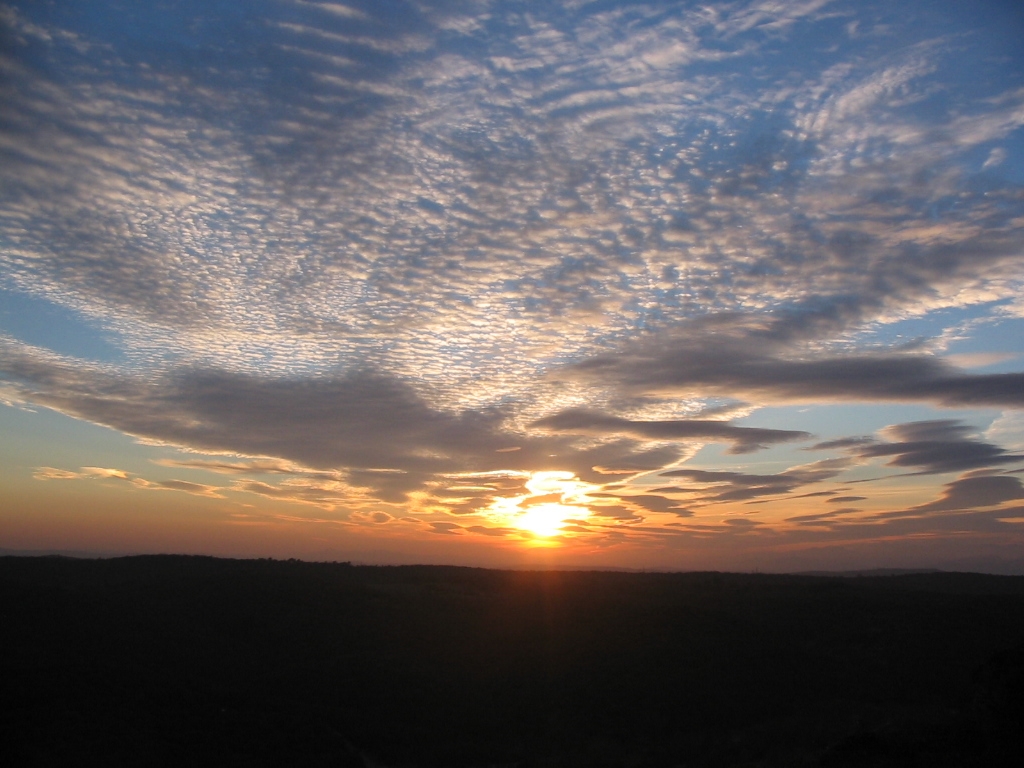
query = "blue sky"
x=657 y=284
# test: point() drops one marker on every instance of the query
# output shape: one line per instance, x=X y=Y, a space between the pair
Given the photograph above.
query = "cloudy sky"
x=725 y=285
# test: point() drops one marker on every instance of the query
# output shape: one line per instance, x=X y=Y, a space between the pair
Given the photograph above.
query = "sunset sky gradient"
x=726 y=285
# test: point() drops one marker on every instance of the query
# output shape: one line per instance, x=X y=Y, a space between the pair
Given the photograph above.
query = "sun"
x=547 y=519
x=555 y=500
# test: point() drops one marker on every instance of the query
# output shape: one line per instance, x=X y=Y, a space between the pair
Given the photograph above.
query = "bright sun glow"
x=555 y=500
x=547 y=519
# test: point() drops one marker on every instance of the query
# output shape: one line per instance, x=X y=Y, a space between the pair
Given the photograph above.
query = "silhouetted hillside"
x=177 y=660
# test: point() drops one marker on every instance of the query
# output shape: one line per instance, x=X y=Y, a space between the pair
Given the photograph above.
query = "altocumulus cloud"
x=458 y=175
x=715 y=485
x=727 y=357
x=105 y=473
x=373 y=246
x=743 y=439
x=939 y=446
x=375 y=426
x=972 y=492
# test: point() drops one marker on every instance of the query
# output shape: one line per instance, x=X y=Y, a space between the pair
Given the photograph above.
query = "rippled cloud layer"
x=394 y=259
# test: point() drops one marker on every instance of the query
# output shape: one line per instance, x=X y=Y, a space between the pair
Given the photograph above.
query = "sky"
x=667 y=285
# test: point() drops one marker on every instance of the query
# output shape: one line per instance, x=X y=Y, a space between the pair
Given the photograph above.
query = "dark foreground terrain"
x=189 y=660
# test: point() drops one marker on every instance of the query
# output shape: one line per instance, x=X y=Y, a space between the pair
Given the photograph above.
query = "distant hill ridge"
x=871 y=572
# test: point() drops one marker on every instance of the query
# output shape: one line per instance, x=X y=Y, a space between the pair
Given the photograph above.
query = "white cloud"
x=996 y=157
x=1008 y=430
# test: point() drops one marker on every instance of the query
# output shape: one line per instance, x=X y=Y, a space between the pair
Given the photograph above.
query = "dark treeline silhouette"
x=194 y=660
